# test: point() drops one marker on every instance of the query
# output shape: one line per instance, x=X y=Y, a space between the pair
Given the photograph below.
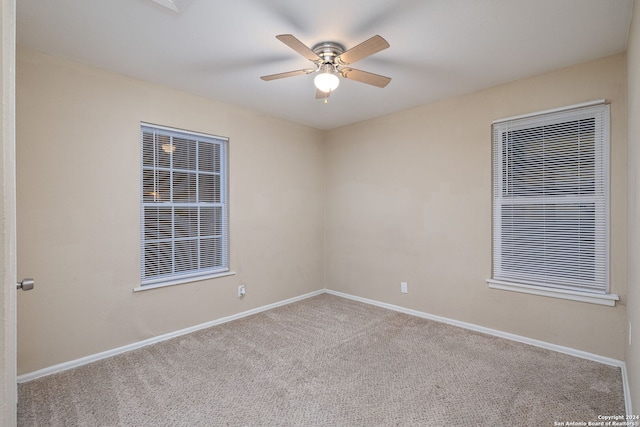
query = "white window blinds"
x=184 y=220
x=550 y=199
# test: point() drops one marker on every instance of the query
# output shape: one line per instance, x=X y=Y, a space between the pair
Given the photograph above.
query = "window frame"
x=600 y=293
x=212 y=202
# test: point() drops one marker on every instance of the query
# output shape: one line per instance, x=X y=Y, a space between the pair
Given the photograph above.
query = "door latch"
x=26 y=284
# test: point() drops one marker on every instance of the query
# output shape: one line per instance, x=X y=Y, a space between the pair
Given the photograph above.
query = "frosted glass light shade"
x=175 y=5
x=326 y=82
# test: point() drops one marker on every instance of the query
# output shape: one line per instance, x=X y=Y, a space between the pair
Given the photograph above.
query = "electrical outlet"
x=404 y=288
x=241 y=291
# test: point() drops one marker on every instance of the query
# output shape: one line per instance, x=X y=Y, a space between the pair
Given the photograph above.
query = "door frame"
x=8 y=367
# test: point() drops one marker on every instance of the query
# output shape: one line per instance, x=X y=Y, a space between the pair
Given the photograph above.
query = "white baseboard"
x=506 y=335
x=109 y=353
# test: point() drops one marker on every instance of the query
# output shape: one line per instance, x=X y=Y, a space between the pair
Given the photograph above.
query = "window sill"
x=600 y=299
x=183 y=281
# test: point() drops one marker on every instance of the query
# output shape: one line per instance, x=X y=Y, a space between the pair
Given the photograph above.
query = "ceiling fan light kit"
x=330 y=60
x=326 y=81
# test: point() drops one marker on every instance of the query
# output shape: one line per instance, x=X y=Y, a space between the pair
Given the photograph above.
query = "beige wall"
x=78 y=210
x=409 y=199
x=633 y=308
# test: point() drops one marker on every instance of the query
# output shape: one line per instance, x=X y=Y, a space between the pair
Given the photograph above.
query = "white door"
x=8 y=387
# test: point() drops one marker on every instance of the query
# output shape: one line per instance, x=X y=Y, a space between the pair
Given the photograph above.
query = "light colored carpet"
x=327 y=361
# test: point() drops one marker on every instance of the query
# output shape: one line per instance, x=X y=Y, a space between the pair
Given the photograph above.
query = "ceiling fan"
x=331 y=59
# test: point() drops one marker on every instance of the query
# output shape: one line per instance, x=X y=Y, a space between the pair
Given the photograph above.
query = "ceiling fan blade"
x=298 y=46
x=365 y=77
x=366 y=48
x=287 y=74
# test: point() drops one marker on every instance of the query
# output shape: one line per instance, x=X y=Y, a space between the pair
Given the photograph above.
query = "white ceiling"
x=219 y=49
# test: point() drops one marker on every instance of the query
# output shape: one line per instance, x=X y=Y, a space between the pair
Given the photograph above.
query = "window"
x=550 y=200
x=184 y=224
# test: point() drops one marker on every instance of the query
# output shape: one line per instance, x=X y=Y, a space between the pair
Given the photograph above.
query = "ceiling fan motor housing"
x=328 y=51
